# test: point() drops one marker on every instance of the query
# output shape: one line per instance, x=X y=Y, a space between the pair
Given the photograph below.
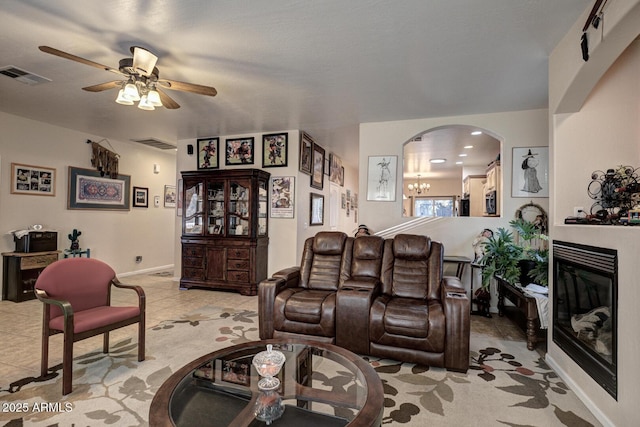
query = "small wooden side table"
x=525 y=304
x=20 y=272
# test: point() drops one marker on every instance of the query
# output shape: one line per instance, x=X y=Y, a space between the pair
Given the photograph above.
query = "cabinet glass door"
x=193 y=218
x=262 y=207
x=215 y=212
x=238 y=213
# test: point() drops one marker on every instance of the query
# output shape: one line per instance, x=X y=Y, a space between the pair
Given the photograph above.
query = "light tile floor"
x=21 y=323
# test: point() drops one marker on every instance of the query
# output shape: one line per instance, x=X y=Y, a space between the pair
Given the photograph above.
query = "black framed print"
x=140 y=197
x=275 y=148
x=317 y=177
x=239 y=151
x=306 y=153
x=208 y=149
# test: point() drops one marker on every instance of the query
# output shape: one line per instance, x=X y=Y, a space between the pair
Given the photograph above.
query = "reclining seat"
x=302 y=301
x=420 y=317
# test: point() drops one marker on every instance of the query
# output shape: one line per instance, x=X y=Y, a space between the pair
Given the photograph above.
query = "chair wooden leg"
x=67 y=363
x=105 y=342
x=141 y=338
x=44 y=362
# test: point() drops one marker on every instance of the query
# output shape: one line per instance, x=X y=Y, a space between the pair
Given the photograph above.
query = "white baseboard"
x=147 y=270
x=591 y=406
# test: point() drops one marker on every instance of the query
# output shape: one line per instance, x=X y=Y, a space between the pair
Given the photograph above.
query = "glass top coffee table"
x=320 y=385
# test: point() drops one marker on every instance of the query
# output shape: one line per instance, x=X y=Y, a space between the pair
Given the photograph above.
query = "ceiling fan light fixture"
x=143 y=61
x=154 y=98
x=122 y=99
x=131 y=91
x=144 y=104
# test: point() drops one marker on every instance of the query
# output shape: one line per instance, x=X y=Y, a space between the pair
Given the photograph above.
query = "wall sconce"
x=419 y=187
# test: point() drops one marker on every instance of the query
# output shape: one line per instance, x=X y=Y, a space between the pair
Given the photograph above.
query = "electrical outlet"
x=138 y=258
x=578 y=211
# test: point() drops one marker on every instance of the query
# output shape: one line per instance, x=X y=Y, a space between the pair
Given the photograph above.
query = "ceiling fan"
x=142 y=80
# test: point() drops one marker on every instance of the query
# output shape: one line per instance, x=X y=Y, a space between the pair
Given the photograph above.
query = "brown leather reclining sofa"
x=380 y=297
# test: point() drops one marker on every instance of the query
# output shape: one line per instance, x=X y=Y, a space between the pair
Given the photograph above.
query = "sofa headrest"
x=411 y=246
x=329 y=242
x=368 y=247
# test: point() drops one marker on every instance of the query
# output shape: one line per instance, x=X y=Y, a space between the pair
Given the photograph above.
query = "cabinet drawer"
x=238 y=264
x=193 y=251
x=238 y=253
x=193 y=273
x=193 y=262
x=38 y=261
x=238 y=276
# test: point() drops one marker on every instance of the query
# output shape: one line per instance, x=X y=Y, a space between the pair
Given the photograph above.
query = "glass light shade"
x=144 y=104
x=131 y=92
x=154 y=98
x=122 y=99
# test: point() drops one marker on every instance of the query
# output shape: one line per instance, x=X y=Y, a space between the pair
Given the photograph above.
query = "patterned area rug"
x=506 y=385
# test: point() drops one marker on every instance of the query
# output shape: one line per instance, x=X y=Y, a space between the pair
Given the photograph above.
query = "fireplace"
x=585 y=288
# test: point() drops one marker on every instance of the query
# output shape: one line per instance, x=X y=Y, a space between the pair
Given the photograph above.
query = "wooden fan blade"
x=61 y=54
x=166 y=100
x=188 y=87
x=104 y=86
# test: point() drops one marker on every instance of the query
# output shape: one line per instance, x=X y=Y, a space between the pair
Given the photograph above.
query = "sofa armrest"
x=290 y=275
x=353 y=306
x=458 y=324
x=267 y=291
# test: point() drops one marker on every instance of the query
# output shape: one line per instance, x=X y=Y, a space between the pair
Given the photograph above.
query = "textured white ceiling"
x=321 y=66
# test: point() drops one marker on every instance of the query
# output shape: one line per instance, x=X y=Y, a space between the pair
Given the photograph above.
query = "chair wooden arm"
x=138 y=289
x=65 y=306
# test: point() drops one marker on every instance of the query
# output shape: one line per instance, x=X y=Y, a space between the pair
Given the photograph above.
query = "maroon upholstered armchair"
x=301 y=301
x=76 y=293
x=420 y=316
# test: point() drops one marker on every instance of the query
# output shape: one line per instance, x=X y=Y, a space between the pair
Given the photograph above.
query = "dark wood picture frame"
x=317 y=175
x=239 y=151
x=140 y=197
x=115 y=198
x=208 y=153
x=306 y=153
x=275 y=150
x=316 y=209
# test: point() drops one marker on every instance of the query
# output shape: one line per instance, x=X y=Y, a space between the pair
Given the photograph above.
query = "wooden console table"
x=525 y=305
x=20 y=272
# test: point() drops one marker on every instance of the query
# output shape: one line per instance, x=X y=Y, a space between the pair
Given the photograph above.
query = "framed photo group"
x=35 y=180
x=241 y=151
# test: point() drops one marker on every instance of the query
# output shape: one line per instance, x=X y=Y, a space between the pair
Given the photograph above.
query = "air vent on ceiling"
x=152 y=142
x=23 y=76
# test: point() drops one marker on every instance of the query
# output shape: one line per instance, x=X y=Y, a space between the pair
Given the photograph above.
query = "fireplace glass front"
x=585 y=280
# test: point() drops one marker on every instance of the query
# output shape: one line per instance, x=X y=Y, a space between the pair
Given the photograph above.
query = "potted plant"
x=522 y=260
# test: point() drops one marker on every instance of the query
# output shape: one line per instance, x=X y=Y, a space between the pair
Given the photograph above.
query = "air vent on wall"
x=23 y=76
x=152 y=142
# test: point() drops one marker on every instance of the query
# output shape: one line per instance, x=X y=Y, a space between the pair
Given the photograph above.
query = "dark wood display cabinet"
x=225 y=229
x=20 y=272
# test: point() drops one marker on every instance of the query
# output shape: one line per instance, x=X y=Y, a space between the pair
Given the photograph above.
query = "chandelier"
x=419 y=187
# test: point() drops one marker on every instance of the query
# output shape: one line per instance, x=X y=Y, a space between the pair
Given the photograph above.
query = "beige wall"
x=113 y=236
x=595 y=115
x=513 y=129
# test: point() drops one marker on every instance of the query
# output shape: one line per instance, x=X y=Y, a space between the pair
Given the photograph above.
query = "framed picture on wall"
x=170 y=196
x=530 y=172
x=316 y=211
x=208 y=149
x=274 y=150
x=34 y=180
x=306 y=153
x=239 y=151
x=381 y=178
x=282 y=196
x=317 y=177
x=140 y=197
x=88 y=189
